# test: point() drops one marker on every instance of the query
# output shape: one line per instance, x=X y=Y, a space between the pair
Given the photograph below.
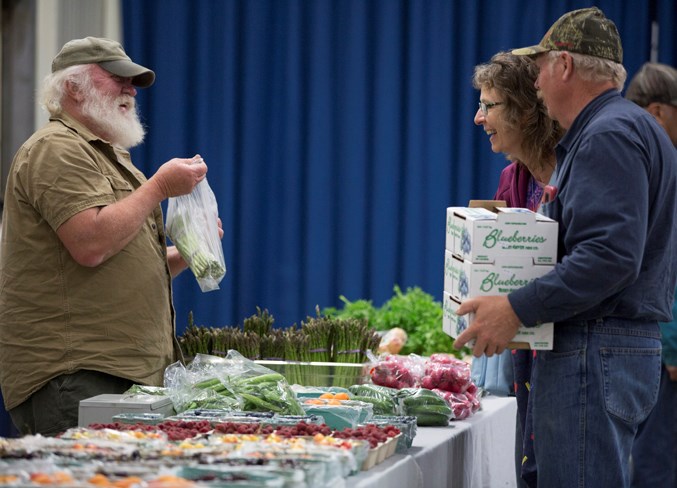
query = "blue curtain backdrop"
x=336 y=132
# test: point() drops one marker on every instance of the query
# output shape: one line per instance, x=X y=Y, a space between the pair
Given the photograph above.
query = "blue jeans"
x=590 y=394
x=654 y=454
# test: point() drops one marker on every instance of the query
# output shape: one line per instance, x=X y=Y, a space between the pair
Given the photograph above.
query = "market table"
x=477 y=452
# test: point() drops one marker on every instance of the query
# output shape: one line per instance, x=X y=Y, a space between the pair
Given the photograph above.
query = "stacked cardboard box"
x=493 y=252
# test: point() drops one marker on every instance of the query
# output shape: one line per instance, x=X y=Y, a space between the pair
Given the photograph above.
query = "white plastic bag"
x=192 y=227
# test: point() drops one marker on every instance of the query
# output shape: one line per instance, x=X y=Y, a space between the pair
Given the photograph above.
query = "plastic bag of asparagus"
x=192 y=227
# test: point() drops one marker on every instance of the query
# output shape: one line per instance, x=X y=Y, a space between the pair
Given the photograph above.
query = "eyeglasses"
x=484 y=107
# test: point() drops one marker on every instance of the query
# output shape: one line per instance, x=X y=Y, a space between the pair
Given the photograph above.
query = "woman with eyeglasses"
x=518 y=126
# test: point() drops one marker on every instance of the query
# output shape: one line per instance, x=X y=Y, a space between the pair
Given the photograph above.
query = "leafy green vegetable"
x=421 y=317
x=359 y=309
x=415 y=311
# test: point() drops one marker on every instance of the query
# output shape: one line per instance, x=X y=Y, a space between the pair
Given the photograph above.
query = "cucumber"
x=432 y=420
x=436 y=409
x=408 y=393
x=424 y=400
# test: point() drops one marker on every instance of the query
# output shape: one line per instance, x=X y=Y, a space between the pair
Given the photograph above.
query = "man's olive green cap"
x=584 y=31
x=106 y=53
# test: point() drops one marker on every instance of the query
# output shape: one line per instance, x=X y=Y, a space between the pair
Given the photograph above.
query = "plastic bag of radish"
x=444 y=374
x=398 y=372
x=463 y=404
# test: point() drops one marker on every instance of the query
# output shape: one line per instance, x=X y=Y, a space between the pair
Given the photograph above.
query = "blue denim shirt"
x=616 y=203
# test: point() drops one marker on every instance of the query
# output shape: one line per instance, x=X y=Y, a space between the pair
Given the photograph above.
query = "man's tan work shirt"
x=57 y=316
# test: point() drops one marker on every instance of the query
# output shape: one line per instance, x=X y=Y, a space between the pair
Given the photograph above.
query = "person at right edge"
x=654 y=454
x=614 y=199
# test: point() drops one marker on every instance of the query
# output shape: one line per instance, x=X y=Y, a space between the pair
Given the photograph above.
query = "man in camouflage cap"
x=584 y=31
x=616 y=273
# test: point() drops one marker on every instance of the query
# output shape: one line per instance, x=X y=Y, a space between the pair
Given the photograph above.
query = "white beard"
x=121 y=128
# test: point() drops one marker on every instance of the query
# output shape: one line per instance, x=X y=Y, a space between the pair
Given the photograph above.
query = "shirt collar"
x=82 y=130
x=118 y=154
x=583 y=118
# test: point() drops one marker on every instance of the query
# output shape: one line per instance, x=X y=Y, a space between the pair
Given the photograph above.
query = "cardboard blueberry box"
x=480 y=235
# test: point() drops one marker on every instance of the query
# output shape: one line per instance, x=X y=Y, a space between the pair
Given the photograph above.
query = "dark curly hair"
x=513 y=77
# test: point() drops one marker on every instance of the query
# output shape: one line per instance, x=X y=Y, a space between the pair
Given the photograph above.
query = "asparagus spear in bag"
x=192 y=227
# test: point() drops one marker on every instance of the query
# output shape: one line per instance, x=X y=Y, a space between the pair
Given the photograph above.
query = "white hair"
x=54 y=86
x=595 y=69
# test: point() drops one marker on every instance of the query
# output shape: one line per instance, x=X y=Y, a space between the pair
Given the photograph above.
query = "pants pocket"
x=631 y=381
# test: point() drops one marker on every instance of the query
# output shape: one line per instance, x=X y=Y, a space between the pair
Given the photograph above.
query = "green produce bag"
x=430 y=409
x=381 y=397
x=230 y=383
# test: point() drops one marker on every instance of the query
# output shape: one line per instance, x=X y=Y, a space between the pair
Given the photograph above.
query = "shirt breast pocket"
x=121 y=188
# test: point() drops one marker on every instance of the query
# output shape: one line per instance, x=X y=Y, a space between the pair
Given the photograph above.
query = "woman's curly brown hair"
x=513 y=77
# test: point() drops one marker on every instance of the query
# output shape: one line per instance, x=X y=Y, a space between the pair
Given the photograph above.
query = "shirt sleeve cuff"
x=526 y=305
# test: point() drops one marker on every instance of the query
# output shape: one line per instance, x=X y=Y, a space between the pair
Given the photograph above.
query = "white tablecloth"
x=473 y=453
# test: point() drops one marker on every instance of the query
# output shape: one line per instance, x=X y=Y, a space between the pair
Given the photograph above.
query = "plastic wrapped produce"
x=428 y=407
x=192 y=226
x=463 y=404
x=398 y=371
x=233 y=382
x=393 y=341
x=447 y=373
x=382 y=397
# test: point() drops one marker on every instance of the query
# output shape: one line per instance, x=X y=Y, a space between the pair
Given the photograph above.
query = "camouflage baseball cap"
x=584 y=31
x=106 y=53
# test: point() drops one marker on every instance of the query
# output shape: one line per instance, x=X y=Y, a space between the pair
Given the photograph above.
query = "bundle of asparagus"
x=195 y=340
x=192 y=225
x=217 y=341
x=319 y=339
x=202 y=262
x=261 y=323
x=351 y=339
x=297 y=351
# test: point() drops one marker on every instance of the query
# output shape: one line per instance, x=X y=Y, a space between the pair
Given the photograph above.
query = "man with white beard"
x=85 y=271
